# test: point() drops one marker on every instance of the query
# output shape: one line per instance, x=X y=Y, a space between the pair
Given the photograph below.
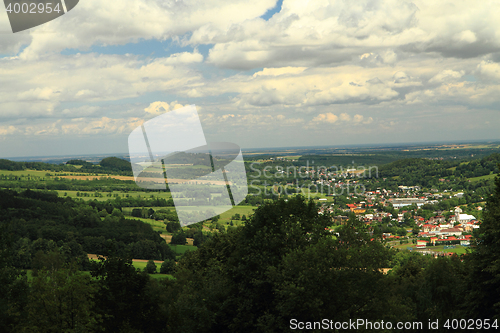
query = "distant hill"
x=79 y=162
x=115 y=163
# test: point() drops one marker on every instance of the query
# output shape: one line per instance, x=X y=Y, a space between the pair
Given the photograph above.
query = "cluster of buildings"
x=452 y=232
x=436 y=230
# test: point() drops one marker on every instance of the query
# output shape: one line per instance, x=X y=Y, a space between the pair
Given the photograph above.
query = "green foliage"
x=179 y=238
x=282 y=264
x=484 y=295
x=115 y=163
x=167 y=267
x=42 y=221
x=62 y=300
x=125 y=298
x=173 y=227
x=150 y=267
x=79 y=162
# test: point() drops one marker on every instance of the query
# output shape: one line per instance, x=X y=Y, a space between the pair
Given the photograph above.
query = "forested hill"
x=115 y=163
x=107 y=165
x=475 y=175
x=42 y=221
x=418 y=168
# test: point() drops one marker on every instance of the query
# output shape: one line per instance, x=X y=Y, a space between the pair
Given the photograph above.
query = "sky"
x=261 y=73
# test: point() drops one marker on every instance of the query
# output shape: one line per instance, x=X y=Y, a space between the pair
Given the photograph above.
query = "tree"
x=199 y=238
x=284 y=263
x=136 y=212
x=178 y=238
x=167 y=267
x=173 y=227
x=13 y=283
x=484 y=284
x=124 y=301
x=150 y=267
x=62 y=300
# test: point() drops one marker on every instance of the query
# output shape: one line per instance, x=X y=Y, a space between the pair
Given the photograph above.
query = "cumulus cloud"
x=28 y=89
x=8 y=130
x=77 y=126
x=447 y=75
x=184 y=58
x=344 y=118
x=248 y=120
x=330 y=62
x=316 y=33
x=115 y=22
x=325 y=118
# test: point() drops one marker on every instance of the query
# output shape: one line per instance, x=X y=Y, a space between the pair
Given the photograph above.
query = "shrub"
x=167 y=267
x=150 y=267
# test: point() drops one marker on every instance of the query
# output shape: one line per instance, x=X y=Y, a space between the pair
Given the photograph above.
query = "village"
x=438 y=233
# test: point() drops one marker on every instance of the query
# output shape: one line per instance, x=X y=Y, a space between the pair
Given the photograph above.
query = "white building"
x=464 y=218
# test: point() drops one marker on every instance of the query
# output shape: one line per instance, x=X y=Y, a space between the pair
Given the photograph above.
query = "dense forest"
x=42 y=221
x=113 y=165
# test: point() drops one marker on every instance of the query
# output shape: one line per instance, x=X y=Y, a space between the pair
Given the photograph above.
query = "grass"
x=440 y=248
x=132 y=194
x=142 y=265
x=458 y=249
x=224 y=217
x=181 y=249
x=29 y=272
x=487 y=177
x=24 y=173
x=242 y=210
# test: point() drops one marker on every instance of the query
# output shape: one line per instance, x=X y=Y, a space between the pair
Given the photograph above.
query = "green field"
x=440 y=248
x=142 y=265
x=24 y=173
x=29 y=272
x=181 y=249
x=121 y=194
x=43 y=173
x=458 y=249
x=487 y=177
x=242 y=210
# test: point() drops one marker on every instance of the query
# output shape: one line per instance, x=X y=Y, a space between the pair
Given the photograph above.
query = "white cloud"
x=325 y=118
x=447 y=75
x=184 y=58
x=330 y=32
x=115 y=22
x=157 y=108
x=345 y=117
x=81 y=127
x=8 y=130
x=37 y=88
x=358 y=118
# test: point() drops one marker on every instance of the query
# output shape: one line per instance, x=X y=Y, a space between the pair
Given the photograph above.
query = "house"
x=358 y=210
x=421 y=244
x=464 y=218
x=428 y=227
x=437 y=219
x=450 y=232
